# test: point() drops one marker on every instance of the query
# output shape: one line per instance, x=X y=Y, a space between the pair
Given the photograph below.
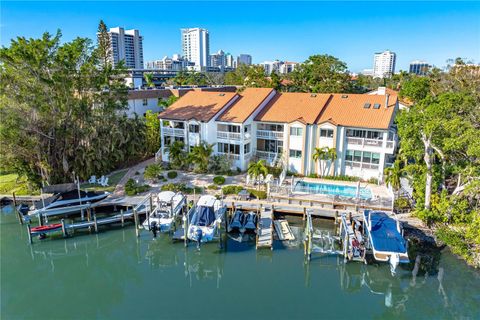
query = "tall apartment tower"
x=196 y=47
x=127 y=45
x=244 y=59
x=384 y=64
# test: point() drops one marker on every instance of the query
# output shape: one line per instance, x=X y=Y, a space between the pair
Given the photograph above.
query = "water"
x=113 y=275
x=333 y=189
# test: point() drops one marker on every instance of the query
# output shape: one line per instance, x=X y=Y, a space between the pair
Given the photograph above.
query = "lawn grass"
x=10 y=183
x=113 y=180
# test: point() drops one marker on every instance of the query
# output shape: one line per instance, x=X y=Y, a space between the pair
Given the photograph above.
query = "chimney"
x=386 y=100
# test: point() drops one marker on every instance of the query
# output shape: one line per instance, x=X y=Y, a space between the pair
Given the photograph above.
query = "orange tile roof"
x=198 y=105
x=348 y=110
x=291 y=106
x=245 y=105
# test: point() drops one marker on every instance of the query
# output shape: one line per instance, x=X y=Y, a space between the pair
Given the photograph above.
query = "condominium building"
x=384 y=64
x=196 y=47
x=230 y=61
x=176 y=63
x=287 y=67
x=419 y=67
x=126 y=45
x=218 y=60
x=285 y=128
x=244 y=59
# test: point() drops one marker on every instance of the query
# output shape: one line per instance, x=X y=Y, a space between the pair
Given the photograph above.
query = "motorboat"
x=206 y=217
x=250 y=222
x=237 y=222
x=385 y=238
x=69 y=202
x=169 y=205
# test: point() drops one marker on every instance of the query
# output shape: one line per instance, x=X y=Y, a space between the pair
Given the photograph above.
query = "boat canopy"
x=203 y=216
x=384 y=233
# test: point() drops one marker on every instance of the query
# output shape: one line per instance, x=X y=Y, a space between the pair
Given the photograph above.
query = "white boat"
x=206 y=218
x=169 y=205
x=69 y=202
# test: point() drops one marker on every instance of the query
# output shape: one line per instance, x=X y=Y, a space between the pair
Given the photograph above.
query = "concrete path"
x=120 y=188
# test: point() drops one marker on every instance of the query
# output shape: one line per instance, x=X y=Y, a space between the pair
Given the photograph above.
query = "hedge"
x=258 y=194
x=232 y=189
x=132 y=188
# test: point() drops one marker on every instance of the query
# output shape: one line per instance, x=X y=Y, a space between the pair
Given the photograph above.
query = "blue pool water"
x=332 y=189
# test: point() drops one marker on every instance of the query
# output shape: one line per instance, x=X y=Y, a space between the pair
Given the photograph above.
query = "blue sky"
x=351 y=31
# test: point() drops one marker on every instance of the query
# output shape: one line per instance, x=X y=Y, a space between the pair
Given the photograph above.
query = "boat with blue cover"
x=206 y=218
x=385 y=238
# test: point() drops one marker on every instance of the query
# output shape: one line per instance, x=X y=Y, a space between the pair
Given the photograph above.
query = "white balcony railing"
x=265 y=155
x=361 y=165
x=173 y=132
x=267 y=134
x=228 y=135
x=369 y=142
x=231 y=155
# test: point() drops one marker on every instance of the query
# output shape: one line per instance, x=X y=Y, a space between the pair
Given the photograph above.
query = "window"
x=194 y=128
x=376 y=106
x=375 y=158
x=367 y=157
x=233 y=128
x=295 y=153
x=327 y=133
x=145 y=102
x=357 y=156
x=349 y=155
x=246 y=148
x=228 y=148
x=246 y=128
x=167 y=140
x=294 y=131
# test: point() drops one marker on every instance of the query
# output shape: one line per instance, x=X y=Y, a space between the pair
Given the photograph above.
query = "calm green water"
x=114 y=275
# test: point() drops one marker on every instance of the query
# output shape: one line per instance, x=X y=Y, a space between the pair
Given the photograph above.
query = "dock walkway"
x=265 y=229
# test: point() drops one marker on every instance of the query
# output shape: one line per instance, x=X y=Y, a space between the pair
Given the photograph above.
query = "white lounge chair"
x=92 y=180
x=101 y=181
x=105 y=182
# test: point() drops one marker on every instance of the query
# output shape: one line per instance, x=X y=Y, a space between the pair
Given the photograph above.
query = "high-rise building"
x=126 y=45
x=230 y=61
x=419 y=67
x=384 y=64
x=244 y=59
x=217 y=60
x=196 y=47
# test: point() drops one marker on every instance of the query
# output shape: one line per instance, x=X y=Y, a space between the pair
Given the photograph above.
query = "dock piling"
x=135 y=217
x=122 y=218
x=19 y=214
x=29 y=231
x=64 y=231
x=95 y=222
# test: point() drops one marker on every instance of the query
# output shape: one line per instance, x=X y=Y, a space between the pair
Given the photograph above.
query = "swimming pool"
x=332 y=189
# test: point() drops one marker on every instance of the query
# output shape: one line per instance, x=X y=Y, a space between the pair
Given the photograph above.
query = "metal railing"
x=370 y=142
x=230 y=155
x=265 y=155
x=269 y=134
x=229 y=135
x=362 y=165
x=173 y=131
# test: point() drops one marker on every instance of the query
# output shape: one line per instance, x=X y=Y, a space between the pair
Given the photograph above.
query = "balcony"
x=228 y=135
x=231 y=156
x=361 y=165
x=267 y=134
x=370 y=142
x=269 y=157
x=167 y=131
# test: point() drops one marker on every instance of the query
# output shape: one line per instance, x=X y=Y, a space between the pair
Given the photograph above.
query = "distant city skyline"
x=352 y=32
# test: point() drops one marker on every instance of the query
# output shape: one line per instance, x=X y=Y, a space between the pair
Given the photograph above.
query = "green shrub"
x=401 y=204
x=218 y=180
x=172 y=174
x=132 y=188
x=373 y=181
x=259 y=194
x=232 y=189
x=181 y=187
x=313 y=175
x=212 y=187
x=274 y=171
x=152 y=171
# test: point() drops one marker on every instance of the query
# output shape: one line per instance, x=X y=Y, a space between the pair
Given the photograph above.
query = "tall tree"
x=61 y=110
x=321 y=73
x=104 y=48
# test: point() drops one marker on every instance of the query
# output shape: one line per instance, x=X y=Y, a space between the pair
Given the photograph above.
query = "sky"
x=292 y=31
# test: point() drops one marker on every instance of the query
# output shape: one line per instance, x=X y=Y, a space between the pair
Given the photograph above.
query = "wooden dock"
x=265 y=229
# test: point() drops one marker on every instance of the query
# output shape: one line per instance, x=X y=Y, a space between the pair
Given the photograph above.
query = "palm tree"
x=176 y=153
x=149 y=80
x=332 y=155
x=393 y=175
x=256 y=170
x=318 y=156
x=200 y=155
